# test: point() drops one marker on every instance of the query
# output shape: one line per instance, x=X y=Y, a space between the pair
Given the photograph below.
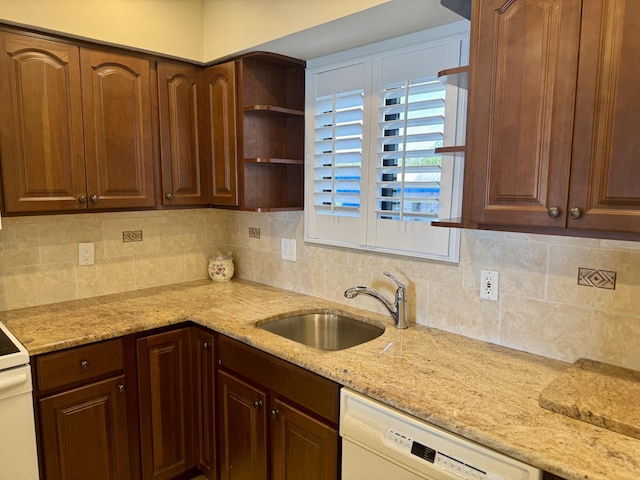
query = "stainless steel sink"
x=326 y=331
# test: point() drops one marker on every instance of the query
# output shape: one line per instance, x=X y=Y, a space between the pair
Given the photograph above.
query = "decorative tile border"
x=592 y=277
x=132 y=236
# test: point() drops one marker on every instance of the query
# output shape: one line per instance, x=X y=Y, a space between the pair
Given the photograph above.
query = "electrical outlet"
x=288 y=249
x=489 y=285
x=85 y=254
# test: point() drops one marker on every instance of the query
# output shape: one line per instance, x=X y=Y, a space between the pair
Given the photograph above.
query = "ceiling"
x=389 y=20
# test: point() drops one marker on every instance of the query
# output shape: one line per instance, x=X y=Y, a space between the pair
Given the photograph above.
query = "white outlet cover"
x=85 y=254
x=288 y=249
x=489 y=282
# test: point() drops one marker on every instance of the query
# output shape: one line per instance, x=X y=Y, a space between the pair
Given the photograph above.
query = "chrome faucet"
x=397 y=310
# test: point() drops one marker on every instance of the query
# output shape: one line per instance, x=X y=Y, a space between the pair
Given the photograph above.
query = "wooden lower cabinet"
x=202 y=344
x=196 y=402
x=266 y=427
x=301 y=446
x=243 y=430
x=166 y=404
x=84 y=432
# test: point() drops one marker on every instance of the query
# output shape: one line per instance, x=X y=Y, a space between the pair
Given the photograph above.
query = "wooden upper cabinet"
x=77 y=128
x=183 y=150
x=220 y=81
x=605 y=176
x=41 y=144
x=524 y=60
x=118 y=127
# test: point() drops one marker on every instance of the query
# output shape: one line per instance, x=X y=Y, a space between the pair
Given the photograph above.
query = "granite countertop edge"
x=484 y=392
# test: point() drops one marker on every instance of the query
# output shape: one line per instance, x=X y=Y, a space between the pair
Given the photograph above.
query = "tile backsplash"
x=541 y=307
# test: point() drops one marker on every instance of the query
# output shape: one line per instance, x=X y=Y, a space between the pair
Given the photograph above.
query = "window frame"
x=340 y=231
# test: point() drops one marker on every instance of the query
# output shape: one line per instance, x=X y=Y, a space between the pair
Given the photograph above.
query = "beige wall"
x=235 y=25
x=541 y=309
x=173 y=27
x=200 y=30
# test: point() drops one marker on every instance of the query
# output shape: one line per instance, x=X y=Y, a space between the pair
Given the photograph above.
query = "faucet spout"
x=397 y=309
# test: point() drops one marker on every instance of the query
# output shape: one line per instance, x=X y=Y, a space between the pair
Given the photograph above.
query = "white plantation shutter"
x=373 y=178
x=338 y=153
x=336 y=199
x=411 y=126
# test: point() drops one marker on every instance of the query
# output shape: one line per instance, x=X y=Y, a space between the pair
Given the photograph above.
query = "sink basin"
x=325 y=331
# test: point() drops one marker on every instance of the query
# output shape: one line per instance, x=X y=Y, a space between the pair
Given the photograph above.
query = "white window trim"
x=372 y=53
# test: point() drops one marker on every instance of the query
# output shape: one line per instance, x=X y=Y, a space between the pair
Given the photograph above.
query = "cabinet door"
x=220 y=81
x=204 y=396
x=522 y=92
x=164 y=384
x=84 y=433
x=182 y=135
x=41 y=143
x=301 y=446
x=116 y=101
x=242 y=430
x=605 y=174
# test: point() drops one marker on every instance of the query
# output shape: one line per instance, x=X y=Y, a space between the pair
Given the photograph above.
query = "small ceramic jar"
x=221 y=267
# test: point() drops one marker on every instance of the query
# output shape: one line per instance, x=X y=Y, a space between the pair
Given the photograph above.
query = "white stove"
x=18 y=454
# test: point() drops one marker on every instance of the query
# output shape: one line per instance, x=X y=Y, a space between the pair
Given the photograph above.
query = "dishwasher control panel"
x=448 y=463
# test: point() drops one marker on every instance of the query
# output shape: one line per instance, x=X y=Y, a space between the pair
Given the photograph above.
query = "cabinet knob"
x=82 y=199
x=206 y=345
x=257 y=404
x=553 y=212
x=84 y=365
x=169 y=196
x=95 y=198
x=274 y=413
x=121 y=387
x=575 y=212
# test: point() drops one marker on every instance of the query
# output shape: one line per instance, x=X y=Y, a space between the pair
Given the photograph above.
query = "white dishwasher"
x=382 y=443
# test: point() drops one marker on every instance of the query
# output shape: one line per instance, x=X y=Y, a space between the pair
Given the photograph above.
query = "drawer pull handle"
x=206 y=345
x=95 y=198
x=275 y=413
x=169 y=196
x=121 y=387
x=82 y=199
x=84 y=365
x=257 y=404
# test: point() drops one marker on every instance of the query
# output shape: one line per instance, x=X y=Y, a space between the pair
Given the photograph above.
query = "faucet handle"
x=400 y=285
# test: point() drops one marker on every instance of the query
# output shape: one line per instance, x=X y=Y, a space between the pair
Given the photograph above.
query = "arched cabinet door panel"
x=524 y=61
x=605 y=173
x=118 y=127
x=41 y=143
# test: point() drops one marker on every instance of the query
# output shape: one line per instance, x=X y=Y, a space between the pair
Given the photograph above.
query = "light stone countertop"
x=484 y=392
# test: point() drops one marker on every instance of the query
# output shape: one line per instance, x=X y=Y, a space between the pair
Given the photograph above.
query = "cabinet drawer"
x=79 y=364
x=303 y=387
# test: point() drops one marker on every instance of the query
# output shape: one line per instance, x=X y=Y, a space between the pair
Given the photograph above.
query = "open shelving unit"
x=459 y=78
x=271 y=132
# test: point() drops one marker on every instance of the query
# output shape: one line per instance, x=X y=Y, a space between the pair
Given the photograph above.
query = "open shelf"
x=452 y=149
x=274 y=110
x=448 y=222
x=457 y=76
x=289 y=161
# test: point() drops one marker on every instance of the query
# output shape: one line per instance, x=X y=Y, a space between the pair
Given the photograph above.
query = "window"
x=373 y=178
